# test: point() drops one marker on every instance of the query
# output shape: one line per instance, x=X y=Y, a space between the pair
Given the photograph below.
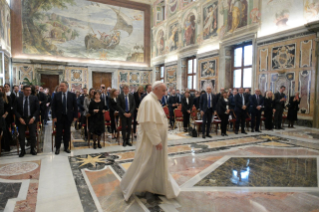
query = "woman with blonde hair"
x=269 y=109
x=6 y=139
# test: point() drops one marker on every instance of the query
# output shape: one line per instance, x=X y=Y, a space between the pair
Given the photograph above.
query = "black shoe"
x=124 y=144
x=129 y=144
x=208 y=136
x=258 y=131
x=244 y=132
x=22 y=153
x=33 y=152
x=236 y=132
x=57 y=151
x=226 y=134
x=252 y=130
x=204 y=136
x=67 y=150
x=94 y=145
x=223 y=134
x=99 y=146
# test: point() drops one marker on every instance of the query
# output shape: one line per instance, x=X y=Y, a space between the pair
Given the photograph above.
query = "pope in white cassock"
x=149 y=170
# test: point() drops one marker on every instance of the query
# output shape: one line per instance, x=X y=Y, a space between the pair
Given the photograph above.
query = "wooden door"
x=50 y=81
x=101 y=78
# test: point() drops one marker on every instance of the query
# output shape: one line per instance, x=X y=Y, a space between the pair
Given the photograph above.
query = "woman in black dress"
x=113 y=107
x=7 y=136
x=97 y=125
x=223 y=112
x=293 y=109
x=269 y=109
x=137 y=97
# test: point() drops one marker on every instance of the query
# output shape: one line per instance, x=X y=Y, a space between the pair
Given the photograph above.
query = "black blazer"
x=172 y=100
x=113 y=105
x=253 y=103
x=278 y=104
x=269 y=105
x=57 y=105
x=34 y=107
x=13 y=96
x=121 y=104
x=222 y=106
x=185 y=106
x=43 y=99
x=107 y=100
x=137 y=99
x=203 y=102
x=239 y=103
x=80 y=102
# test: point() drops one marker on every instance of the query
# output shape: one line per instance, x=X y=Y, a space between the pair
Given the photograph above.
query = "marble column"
x=224 y=70
x=314 y=27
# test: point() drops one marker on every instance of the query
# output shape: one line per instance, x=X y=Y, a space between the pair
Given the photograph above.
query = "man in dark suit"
x=26 y=109
x=64 y=112
x=165 y=99
x=241 y=107
x=280 y=100
x=187 y=105
x=256 y=104
x=126 y=106
x=172 y=105
x=148 y=89
x=104 y=95
x=207 y=105
x=16 y=91
x=42 y=101
x=179 y=96
x=219 y=94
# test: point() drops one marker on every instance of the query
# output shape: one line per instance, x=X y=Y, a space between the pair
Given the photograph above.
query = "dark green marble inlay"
x=264 y=172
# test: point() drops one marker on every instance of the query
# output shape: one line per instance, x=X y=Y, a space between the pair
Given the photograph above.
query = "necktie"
x=64 y=104
x=242 y=96
x=25 y=109
x=257 y=99
x=126 y=104
x=208 y=100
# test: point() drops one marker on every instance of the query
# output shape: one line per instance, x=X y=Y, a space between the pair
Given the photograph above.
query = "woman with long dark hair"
x=97 y=126
x=137 y=97
x=223 y=112
x=7 y=138
x=269 y=109
x=293 y=109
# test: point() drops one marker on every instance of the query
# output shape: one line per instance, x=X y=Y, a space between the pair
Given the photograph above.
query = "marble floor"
x=269 y=171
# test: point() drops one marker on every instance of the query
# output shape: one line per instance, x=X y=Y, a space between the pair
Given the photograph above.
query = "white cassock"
x=149 y=170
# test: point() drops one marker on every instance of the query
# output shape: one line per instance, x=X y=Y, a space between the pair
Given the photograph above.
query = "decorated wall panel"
x=5 y=26
x=207 y=73
x=171 y=76
x=133 y=79
x=291 y=64
x=77 y=77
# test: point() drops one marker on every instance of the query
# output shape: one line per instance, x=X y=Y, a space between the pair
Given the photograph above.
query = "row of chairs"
x=178 y=117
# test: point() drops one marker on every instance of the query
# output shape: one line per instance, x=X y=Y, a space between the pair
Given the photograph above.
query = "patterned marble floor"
x=272 y=171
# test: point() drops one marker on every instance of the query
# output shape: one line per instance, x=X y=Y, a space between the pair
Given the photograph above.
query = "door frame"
x=112 y=71
x=59 y=72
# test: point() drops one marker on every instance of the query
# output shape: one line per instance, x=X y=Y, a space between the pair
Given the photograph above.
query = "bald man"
x=256 y=105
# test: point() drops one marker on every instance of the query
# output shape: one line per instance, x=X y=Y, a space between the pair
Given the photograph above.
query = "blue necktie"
x=64 y=104
x=126 y=104
x=208 y=100
x=25 y=109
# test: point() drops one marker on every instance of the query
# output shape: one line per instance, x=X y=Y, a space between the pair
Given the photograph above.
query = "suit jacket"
x=172 y=100
x=137 y=99
x=121 y=104
x=239 y=103
x=107 y=100
x=196 y=102
x=185 y=106
x=113 y=105
x=164 y=100
x=13 y=96
x=34 y=107
x=222 y=106
x=203 y=104
x=253 y=103
x=80 y=102
x=57 y=106
x=278 y=104
x=179 y=98
x=43 y=99
x=231 y=101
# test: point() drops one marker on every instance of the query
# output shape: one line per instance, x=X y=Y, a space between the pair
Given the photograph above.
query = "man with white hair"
x=256 y=105
x=149 y=170
x=207 y=105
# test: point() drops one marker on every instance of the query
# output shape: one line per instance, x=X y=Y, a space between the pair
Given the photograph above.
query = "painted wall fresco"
x=171 y=76
x=210 y=20
x=189 y=29
x=5 y=26
x=173 y=39
x=77 y=77
x=172 y=7
x=311 y=10
x=160 y=43
x=102 y=31
x=281 y=15
x=291 y=64
x=207 y=69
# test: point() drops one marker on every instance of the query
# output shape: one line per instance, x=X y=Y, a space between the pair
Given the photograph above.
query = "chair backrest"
x=107 y=116
x=233 y=113
x=166 y=110
x=178 y=113
x=179 y=107
x=79 y=115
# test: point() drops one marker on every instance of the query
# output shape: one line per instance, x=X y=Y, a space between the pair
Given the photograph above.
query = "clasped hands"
x=258 y=107
x=283 y=99
x=127 y=115
x=244 y=107
x=23 y=122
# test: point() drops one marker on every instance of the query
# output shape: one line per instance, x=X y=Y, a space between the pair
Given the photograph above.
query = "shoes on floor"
x=57 y=151
x=67 y=150
x=208 y=136
x=244 y=132
x=22 y=153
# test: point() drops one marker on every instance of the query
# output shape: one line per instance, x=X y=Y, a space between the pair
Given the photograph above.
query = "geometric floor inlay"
x=18 y=168
x=264 y=172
